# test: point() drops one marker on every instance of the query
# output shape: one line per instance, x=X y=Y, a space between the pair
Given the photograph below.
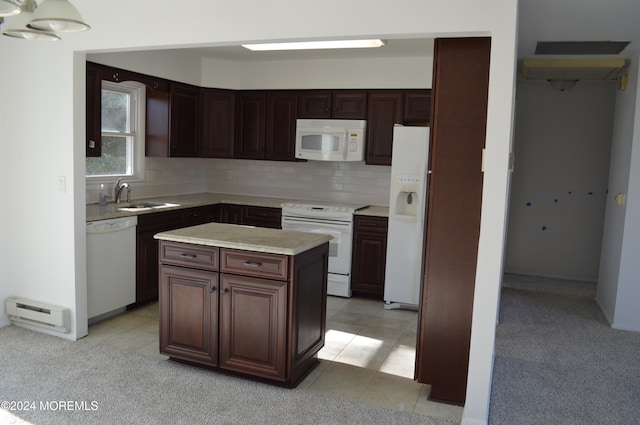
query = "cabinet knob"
x=224 y=291
x=212 y=289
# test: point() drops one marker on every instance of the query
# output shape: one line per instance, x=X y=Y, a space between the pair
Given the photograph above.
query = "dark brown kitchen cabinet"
x=251 y=124
x=315 y=104
x=218 y=117
x=385 y=108
x=254 y=314
x=184 y=120
x=253 y=324
x=157 y=123
x=340 y=104
x=282 y=110
x=349 y=104
x=147 y=251
x=262 y=217
x=417 y=107
x=94 y=110
x=232 y=214
x=249 y=215
x=189 y=325
x=147 y=246
x=458 y=133
x=369 y=256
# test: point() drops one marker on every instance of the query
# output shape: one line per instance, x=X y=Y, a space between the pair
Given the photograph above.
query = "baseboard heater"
x=38 y=314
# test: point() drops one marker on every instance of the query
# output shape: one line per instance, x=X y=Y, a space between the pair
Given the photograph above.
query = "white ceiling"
x=540 y=20
x=578 y=20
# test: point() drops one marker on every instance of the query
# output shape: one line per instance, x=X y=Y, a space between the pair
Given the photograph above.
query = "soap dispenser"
x=102 y=198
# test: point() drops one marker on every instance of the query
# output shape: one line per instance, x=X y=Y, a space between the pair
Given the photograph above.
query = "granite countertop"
x=374 y=210
x=96 y=212
x=248 y=238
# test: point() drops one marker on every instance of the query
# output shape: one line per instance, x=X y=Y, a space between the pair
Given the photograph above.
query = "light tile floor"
x=369 y=353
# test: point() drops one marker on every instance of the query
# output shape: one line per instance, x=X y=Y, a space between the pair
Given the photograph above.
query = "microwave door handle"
x=345 y=145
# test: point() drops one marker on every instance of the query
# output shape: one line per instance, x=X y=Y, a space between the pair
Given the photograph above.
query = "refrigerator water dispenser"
x=406 y=204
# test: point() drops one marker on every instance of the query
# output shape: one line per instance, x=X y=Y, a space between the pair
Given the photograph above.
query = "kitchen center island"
x=244 y=300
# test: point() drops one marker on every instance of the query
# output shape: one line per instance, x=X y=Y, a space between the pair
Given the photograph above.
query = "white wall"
x=172 y=64
x=5 y=283
x=562 y=146
x=618 y=288
x=54 y=146
x=43 y=230
x=328 y=73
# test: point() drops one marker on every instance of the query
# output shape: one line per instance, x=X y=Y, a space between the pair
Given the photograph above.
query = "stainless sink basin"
x=138 y=206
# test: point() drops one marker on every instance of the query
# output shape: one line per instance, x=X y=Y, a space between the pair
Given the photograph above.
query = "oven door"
x=339 y=245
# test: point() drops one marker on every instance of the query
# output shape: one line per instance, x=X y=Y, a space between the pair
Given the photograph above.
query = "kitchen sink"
x=139 y=206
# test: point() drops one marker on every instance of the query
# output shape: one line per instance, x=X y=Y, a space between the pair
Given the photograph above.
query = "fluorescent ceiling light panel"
x=307 y=45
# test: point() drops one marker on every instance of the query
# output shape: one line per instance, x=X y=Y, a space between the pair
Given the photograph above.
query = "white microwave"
x=330 y=140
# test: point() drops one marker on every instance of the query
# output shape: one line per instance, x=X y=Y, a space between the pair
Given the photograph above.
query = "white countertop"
x=248 y=238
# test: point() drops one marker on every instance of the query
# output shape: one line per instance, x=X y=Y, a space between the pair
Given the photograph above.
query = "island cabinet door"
x=189 y=314
x=253 y=313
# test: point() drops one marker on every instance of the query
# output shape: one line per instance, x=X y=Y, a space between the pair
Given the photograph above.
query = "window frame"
x=137 y=115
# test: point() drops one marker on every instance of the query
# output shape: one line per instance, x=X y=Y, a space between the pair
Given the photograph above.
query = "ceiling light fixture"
x=9 y=8
x=562 y=85
x=308 y=45
x=41 y=22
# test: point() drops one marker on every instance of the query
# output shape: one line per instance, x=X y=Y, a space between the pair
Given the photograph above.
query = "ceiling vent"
x=572 y=68
x=580 y=47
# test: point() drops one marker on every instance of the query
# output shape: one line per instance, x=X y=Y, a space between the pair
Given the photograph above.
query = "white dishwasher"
x=111 y=266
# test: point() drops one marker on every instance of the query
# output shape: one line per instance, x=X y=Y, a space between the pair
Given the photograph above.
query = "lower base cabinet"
x=369 y=256
x=247 y=313
x=253 y=326
x=189 y=326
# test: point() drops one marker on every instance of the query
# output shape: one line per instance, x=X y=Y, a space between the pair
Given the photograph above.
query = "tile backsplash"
x=311 y=180
x=347 y=182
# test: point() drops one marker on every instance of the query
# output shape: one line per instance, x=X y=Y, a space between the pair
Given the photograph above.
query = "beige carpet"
x=86 y=383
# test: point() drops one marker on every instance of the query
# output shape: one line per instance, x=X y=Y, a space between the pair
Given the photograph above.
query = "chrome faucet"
x=117 y=191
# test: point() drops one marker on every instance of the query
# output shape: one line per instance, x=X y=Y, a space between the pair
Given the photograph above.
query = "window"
x=122 y=124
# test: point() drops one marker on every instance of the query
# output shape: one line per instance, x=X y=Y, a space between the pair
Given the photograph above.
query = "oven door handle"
x=333 y=224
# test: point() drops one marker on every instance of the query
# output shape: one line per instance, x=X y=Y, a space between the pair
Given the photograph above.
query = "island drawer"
x=249 y=263
x=188 y=255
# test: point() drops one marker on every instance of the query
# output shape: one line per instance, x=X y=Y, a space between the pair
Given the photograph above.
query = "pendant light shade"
x=9 y=8
x=58 y=16
x=16 y=26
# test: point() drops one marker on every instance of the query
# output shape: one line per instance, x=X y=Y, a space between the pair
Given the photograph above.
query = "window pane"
x=113 y=160
x=115 y=111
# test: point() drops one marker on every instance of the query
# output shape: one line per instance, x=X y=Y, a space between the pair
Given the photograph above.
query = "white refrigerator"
x=406 y=217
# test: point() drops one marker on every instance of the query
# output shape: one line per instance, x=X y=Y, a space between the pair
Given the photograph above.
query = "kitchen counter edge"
x=248 y=238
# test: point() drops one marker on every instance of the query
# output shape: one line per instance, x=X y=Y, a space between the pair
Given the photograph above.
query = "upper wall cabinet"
x=266 y=124
x=173 y=121
x=387 y=108
x=250 y=124
x=282 y=110
x=189 y=121
x=184 y=120
x=218 y=113
x=94 y=106
x=417 y=107
x=342 y=104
